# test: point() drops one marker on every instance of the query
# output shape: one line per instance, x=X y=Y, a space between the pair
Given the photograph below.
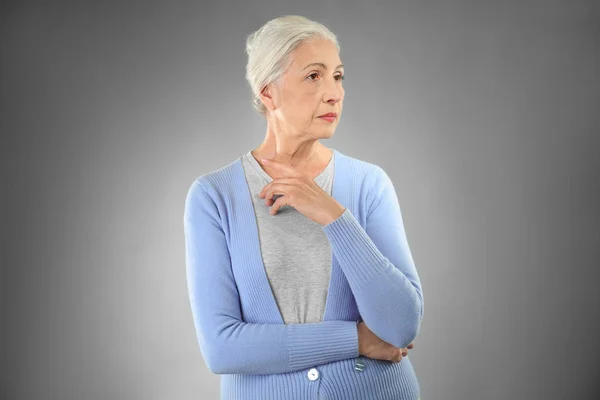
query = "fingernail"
x=264 y=160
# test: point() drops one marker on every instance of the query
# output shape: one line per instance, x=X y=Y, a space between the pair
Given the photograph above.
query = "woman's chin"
x=326 y=134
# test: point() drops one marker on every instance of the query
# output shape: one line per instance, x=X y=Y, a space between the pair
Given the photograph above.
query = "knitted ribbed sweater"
x=241 y=333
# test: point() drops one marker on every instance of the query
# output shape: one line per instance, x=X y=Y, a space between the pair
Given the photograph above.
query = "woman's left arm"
x=379 y=266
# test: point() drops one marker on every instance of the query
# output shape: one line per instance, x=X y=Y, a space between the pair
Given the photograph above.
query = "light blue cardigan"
x=240 y=330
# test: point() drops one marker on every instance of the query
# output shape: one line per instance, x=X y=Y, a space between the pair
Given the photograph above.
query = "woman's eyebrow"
x=321 y=65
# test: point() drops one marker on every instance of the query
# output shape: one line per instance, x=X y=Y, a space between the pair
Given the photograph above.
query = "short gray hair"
x=269 y=50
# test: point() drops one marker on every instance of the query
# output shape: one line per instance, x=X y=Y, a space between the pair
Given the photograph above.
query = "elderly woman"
x=301 y=281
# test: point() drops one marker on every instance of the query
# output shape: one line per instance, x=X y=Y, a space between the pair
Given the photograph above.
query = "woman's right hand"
x=370 y=345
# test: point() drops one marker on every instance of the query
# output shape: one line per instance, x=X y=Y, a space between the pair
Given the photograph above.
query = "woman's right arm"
x=228 y=344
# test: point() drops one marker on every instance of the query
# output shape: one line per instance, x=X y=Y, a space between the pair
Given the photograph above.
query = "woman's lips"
x=328 y=119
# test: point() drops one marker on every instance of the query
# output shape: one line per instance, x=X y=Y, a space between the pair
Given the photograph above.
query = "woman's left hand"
x=405 y=350
x=298 y=190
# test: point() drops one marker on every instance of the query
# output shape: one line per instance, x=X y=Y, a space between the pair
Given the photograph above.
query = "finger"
x=278 y=189
x=398 y=354
x=265 y=188
x=284 y=180
x=280 y=202
x=398 y=357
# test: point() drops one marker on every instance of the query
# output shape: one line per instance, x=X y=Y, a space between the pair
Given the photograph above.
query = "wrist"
x=332 y=216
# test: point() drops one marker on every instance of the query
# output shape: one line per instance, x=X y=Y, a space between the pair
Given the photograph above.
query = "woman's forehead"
x=302 y=63
x=311 y=52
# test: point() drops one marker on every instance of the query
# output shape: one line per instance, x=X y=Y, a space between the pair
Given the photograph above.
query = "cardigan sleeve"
x=228 y=344
x=379 y=266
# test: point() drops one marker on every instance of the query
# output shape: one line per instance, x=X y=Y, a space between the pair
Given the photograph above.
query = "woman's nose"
x=333 y=91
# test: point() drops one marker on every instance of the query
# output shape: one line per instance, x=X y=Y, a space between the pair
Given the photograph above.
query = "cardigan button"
x=313 y=374
x=360 y=365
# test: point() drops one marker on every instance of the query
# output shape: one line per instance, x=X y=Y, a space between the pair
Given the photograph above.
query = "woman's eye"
x=337 y=77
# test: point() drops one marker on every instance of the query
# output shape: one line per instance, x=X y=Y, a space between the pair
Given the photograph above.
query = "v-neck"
x=256 y=165
x=263 y=287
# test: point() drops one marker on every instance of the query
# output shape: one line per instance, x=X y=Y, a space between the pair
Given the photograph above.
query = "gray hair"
x=269 y=49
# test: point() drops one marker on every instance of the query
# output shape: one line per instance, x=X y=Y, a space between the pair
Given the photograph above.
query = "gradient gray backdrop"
x=485 y=115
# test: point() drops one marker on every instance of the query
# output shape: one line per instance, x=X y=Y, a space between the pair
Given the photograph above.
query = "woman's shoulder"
x=216 y=181
x=357 y=163
x=365 y=171
x=369 y=179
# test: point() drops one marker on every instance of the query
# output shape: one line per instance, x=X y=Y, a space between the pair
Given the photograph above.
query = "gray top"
x=296 y=252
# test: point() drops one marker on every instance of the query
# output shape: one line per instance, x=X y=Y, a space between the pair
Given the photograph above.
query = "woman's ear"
x=268 y=95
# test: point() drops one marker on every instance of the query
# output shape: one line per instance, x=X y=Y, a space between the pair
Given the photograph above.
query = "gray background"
x=485 y=115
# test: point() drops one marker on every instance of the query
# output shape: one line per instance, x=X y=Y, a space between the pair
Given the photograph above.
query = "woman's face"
x=311 y=86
